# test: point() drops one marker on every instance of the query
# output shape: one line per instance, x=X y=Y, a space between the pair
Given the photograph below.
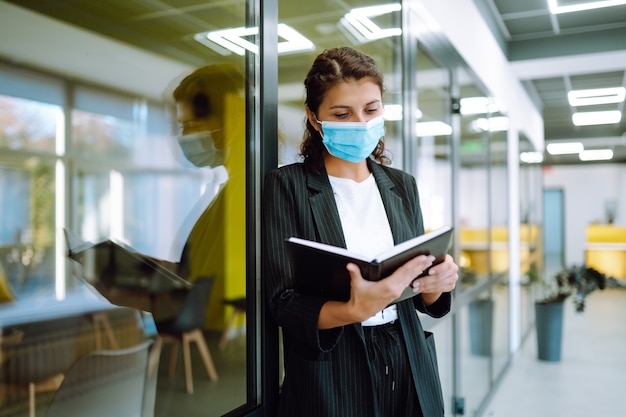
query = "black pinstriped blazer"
x=326 y=371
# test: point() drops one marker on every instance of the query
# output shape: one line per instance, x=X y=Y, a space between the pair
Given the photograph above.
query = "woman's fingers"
x=440 y=278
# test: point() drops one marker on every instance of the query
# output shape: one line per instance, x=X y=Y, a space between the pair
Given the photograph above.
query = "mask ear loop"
x=320 y=131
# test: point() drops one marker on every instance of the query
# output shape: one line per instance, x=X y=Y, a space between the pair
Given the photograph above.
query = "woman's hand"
x=440 y=278
x=369 y=297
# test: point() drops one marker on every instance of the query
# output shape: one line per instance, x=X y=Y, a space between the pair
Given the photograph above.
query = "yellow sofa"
x=475 y=248
x=605 y=249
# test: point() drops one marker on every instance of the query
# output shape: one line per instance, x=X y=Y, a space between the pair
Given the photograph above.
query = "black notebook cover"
x=320 y=269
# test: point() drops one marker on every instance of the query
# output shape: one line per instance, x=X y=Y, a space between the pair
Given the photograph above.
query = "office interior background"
x=476 y=92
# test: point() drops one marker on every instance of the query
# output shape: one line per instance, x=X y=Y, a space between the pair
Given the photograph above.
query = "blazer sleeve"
x=284 y=212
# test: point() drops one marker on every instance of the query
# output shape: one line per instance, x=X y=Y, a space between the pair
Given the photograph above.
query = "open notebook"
x=320 y=269
x=116 y=270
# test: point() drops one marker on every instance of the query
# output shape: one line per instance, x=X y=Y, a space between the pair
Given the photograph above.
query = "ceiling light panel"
x=531 y=157
x=435 y=128
x=596 y=96
x=555 y=8
x=564 y=148
x=394 y=112
x=592 y=118
x=359 y=24
x=596 y=155
x=235 y=40
x=491 y=124
x=478 y=105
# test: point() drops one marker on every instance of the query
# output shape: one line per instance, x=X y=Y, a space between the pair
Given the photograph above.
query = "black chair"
x=187 y=328
x=108 y=383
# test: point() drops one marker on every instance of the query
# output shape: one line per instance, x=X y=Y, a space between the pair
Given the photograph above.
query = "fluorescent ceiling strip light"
x=564 y=148
x=234 y=40
x=596 y=155
x=491 y=124
x=477 y=105
x=531 y=157
x=293 y=40
x=358 y=22
x=591 y=118
x=596 y=96
x=394 y=112
x=432 y=129
x=498 y=124
x=556 y=9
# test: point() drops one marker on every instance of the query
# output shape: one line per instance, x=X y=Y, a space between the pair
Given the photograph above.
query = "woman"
x=360 y=357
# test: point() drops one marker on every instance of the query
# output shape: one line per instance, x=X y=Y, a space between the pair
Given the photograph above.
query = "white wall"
x=474 y=197
x=586 y=189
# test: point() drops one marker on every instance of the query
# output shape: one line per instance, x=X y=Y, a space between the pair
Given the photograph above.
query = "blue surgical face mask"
x=352 y=141
x=199 y=149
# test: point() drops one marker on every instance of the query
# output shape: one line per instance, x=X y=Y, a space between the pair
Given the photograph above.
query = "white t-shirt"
x=365 y=225
x=363 y=217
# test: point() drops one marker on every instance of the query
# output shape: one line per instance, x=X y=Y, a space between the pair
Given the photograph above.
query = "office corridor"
x=590 y=379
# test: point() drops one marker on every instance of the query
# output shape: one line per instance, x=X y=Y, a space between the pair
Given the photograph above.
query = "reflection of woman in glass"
x=202 y=112
x=362 y=357
x=210 y=109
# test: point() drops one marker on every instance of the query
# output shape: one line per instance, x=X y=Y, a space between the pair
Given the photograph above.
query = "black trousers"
x=391 y=371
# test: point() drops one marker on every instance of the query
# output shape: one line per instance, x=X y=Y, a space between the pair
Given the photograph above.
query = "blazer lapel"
x=326 y=219
x=393 y=201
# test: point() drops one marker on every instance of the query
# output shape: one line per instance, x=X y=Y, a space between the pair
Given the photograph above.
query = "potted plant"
x=577 y=281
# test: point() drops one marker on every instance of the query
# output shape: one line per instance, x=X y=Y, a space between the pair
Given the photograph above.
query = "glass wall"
x=476 y=318
x=498 y=201
x=430 y=160
x=123 y=144
x=531 y=232
x=475 y=182
x=431 y=150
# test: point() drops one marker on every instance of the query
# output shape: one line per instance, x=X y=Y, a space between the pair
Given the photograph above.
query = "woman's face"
x=190 y=124
x=350 y=101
